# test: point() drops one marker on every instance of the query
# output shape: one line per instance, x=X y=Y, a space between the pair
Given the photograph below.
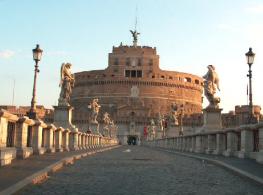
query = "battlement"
x=124 y=49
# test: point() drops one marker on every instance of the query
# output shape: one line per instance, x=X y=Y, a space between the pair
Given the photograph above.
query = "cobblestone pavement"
x=19 y=169
x=143 y=171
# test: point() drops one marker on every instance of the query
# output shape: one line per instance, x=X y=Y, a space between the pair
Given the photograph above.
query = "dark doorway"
x=132 y=140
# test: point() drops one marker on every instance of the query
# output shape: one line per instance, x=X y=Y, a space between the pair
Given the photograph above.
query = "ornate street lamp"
x=250 y=59
x=37 y=54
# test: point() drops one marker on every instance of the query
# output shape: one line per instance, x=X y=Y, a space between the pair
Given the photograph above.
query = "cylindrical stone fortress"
x=134 y=88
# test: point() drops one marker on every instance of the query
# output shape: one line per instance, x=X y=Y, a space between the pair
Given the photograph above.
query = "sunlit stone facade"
x=134 y=88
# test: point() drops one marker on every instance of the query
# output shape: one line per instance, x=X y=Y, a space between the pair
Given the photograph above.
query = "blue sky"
x=188 y=35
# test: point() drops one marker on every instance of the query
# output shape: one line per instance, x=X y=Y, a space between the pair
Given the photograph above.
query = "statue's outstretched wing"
x=62 y=74
x=217 y=81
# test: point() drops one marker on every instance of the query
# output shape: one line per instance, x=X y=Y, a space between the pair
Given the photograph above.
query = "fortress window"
x=170 y=77
x=115 y=70
x=133 y=73
x=139 y=73
x=116 y=61
x=162 y=77
x=127 y=73
x=153 y=76
x=197 y=82
x=150 y=62
x=187 y=79
x=128 y=61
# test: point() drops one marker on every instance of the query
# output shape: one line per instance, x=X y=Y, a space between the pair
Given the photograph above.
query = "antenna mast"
x=134 y=32
x=136 y=17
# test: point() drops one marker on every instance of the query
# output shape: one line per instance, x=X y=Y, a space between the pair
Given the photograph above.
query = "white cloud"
x=257 y=9
x=6 y=54
x=57 y=53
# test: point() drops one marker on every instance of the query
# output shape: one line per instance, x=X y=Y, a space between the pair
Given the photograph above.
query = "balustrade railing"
x=20 y=137
x=245 y=141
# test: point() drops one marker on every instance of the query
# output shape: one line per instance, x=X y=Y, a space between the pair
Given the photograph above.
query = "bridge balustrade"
x=21 y=137
x=245 y=141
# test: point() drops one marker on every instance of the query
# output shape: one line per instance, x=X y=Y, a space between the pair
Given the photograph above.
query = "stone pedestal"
x=62 y=118
x=211 y=143
x=246 y=143
x=58 y=140
x=23 y=138
x=259 y=157
x=199 y=145
x=94 y=127
x=50 y=137
x=65 y=140
x=73 y=141
x=231 y=144
x=38 y=138
x=7 y=155
x=212 y=119
x=220 y=143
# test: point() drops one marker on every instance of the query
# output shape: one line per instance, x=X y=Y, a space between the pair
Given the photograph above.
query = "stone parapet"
x=245 y=141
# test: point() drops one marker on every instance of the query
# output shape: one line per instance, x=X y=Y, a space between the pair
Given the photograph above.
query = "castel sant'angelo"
x=133 y=88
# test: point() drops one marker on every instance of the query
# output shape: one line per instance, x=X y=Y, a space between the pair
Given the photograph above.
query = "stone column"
x=87 y=141
x=103 y=142
x=231 y=144
x=93 y=141
x=220 y=143
x=58 y=139
x=176 y=143
x=37 y=132
x=259 y=156
x=49 y=142
x=246 y=143
x=100 y=144
x=97 y=141
x=7 y=153
x=73 y=141
x=80 y=140
x=65 y=140
x=23 y=149
x=192 y=144
x=84 y=141
x=199 y=145
x=211 y=143
x=189 y=143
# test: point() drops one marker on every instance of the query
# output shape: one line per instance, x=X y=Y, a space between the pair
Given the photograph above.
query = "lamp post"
x=37 y=53
x=250 y=59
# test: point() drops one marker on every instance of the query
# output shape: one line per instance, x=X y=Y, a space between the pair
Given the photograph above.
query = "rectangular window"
x=133 y=73
x=139 y=73
x=127 y=73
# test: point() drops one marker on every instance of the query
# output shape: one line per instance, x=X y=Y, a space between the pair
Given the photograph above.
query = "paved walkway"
x=247 y=165
x=20 y=169
x=141 y=170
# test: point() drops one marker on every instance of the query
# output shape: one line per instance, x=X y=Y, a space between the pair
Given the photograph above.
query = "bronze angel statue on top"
x=66 y=83
x=135 y=37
